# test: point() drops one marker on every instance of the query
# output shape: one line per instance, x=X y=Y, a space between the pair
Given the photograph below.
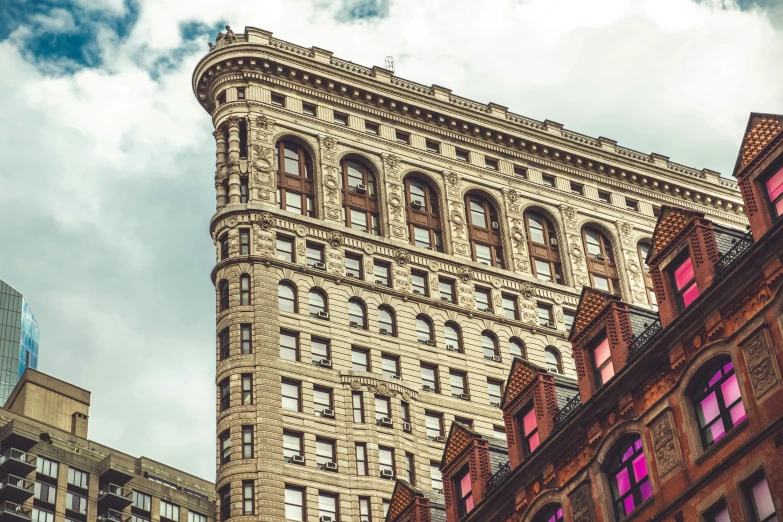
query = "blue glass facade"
x=19 y=339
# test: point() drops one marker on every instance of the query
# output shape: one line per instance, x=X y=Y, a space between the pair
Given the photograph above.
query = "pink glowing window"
x=685 y=280
x=718 y=403
x=464 y=492
x=603 y=362
x=530 y=439
x=630 y=480
x=775 y=191
x=551 y=513
x=761 y=498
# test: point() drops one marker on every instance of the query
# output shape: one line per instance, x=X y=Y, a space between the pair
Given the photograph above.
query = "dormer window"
x=685 y=281
x=529 y=428
x=774 y=187
x=464 y=492
x=604 y=369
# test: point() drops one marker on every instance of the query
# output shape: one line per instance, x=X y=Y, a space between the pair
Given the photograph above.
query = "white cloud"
x=104 y=168
x=58 y=20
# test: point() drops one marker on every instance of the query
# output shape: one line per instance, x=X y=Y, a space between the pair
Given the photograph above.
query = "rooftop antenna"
x=390 y=64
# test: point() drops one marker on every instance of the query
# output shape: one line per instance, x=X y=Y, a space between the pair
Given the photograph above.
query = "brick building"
x=679 y=415
x=384 y=249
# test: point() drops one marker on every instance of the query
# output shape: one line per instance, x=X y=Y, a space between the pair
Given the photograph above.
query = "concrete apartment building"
x=384 y=249
x=51 y=472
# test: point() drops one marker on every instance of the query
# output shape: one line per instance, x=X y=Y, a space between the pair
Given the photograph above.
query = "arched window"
x=644 y=250
x=318 y=303
x=516 y=348
x=424 y=329
x=483 y=231
x=360 y=199
x=295 y=186
x=717 y=401
x=286 y=296
x=244 y=290
x=600 y=261
x=544 y=251
x=453 y=337
x=423 y=214
x=223 y=292
x=357 y=313
x=489 y=344
x=386 y=322
x=628 y=476
x=550 y=513
x=552 y=357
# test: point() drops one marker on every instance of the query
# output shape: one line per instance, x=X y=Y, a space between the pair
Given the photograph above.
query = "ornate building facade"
x=384 y=249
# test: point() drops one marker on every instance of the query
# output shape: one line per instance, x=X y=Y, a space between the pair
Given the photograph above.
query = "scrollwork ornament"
x=336 y=239
x=392 y=162
x=517 y=236
x=527 y=290
x=762 y=372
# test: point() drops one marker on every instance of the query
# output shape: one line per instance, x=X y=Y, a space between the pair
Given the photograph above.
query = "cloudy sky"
x=106 y=159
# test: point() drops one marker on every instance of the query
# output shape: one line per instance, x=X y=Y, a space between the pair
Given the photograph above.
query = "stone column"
x=454 y=215
x=398 y=228
x=262 y=169
x=233 y=159
x=628 y=270
x=572 y=249
x=330 y=179
x=220 y=168
x=516 y=225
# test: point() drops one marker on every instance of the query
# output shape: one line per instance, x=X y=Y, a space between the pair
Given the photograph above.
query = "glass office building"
x=19 y=337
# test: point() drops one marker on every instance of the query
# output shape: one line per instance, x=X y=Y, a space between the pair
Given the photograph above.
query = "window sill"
x=730 y=435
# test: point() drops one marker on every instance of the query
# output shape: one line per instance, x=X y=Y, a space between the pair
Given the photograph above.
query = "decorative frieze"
x=761 y=365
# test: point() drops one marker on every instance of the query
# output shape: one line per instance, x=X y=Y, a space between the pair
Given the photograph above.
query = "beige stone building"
x=51 y=472
x=384 y=249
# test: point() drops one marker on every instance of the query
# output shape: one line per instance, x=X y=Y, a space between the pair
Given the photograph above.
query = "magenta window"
x=630 y=480
x=603 y=362
x=551 y=513
x=718 y=403
x=775 y=192
x=761 y=498
x=685 y=282
x=464 y=492
x=530 y=438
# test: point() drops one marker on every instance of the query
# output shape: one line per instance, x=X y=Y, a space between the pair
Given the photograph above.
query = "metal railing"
x=499 y=475
x=741 y=246
x=7 y=479
x=566 y=412
x=114 y=489
x=644 y=340
x=18 y=455
x=16 y=509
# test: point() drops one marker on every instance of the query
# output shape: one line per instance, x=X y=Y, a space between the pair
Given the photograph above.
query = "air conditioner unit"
x=495 y=225
x=487 y=310
x=438 y=491
x=495 y=404
x=386 y=421
x=325 y=363
x=426 y=387
x=418 y=291
x=439 y=438
x=553 y=241
x=482 y=262
x=354 y=324
x=406 y=426
x=550 y=324
x=600 y=257
x=383 y=331
x=330 y=466
x=464 y=396
x=323 y=315
x=417 y=203
x=447 y=299
x=297 y=459
x=452 y=347
x=380 y=282
x=361 y=189
x=395 y=377
x=328 y=413
x=319 y=265
x=496 y=358
x=325 y=518
x=430 y=342
x=387 y=474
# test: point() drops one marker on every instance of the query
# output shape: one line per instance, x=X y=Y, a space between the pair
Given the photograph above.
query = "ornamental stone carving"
x=569 y=216
x=465 y=274
x=401 y=257
x=328 y=148
x=336 y=239
x=760 y=364
x=581 y=503
x=266 y=220
x=666 y=453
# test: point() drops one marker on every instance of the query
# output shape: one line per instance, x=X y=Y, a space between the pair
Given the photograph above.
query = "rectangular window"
x=632 y=205
x=247 y=388
x=340 y=119
x=240 y=93
x=292 y=395
x=760 y=500
x=410 y=469
x=308 y=109
x=225 y=344
x=463 y=486
x=433 y=146
x=446 y=287
x=247 y=338
x=45 y=492
x=292 y=445
x=386 y=459
x=462 y=155
x=491 y=163
x=321 y=350
x=495 y=389
x=465 y=422
x=528 y=425
x=568 y=319
x=78 y=478
x=225 y=502
x=142 y=501
x=196 y=517
x=322 y=400
x=603 y=362
x=718 y=513
x=436 y=478
x=324 y=452
x=278 y=100
x=656 y=211
x=402 y=137
x=328 y=505
x=364 y=509
x=483 y=299
x=76 y=503
x=248 y=493
x=382 y=408
x=361 y=458
x=545 y=315
x=244 y=242
x=243 y=189
x=247 y=442
x=510 y=307
x=434 y=424
x=360 y=360
x=40 y=515
x=315 y=255
x=285 y=249
x=774 y=186
x=357 y=404
x=225 y=394
x=577 y=189
x=47 y=467
x=499 y=432
x=382 y=273
x=549 y=181
x=225 y=447
x=371 y=128
x=224 y=246
x=429 y=378
x=169 y=511
x=685 y=282
x=459 y=383
x=289 y=345
x=405 y=411
x=520 y=171
x=390 y=366
x=353 y=265
x=419 y=282
x=294 y=503
x=604 y=196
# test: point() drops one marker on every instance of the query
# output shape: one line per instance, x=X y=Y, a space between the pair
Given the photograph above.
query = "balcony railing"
x=14 y=488
x=17 y=461
x=644 y=340
x=112 y=515
x=14 y=512
x=566 y=412
x=499 y=475
x=741 y=246
x=114 y=496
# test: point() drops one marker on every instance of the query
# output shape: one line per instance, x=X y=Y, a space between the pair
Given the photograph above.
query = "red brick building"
x=678 y=417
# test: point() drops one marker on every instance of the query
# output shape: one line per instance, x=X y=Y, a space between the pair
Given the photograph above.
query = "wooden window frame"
x=485 y=236
x=354 y=200
x=301 y=182
x=548 y=252
x=427 y=217
x=604 y=268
